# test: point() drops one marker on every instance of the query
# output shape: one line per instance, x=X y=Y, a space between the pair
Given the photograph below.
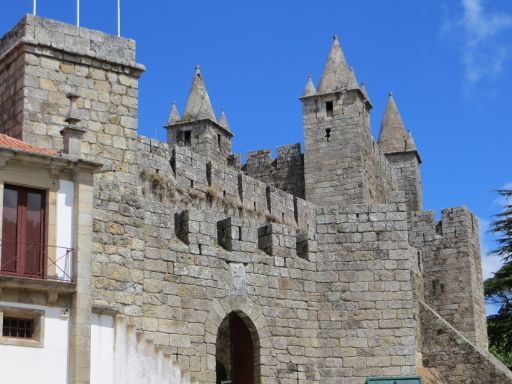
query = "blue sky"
x=447 y=62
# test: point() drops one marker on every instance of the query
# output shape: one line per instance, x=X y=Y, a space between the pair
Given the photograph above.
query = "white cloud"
x=490 y=263
x=483 y=54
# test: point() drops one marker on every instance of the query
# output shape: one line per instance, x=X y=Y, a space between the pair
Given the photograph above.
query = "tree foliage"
x=503 y=225
x=498 y=289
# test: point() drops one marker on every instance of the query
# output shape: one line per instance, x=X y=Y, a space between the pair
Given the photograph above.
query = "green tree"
x=498 y=289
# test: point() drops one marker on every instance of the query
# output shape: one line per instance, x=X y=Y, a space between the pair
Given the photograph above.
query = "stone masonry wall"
x=332 y=158
x=407 y=173
x=452 y=269
x=326 y=315
x=379 y=179
x=364 y=262
x=286 y=172
x=161 y=261
x=455 y=357
x=204 y=140
x=12 y=67
x=57 y=59
x=342 y=163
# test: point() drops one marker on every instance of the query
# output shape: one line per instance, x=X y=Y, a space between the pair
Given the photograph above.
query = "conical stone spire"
x=392 y=137
x=310 y=88
x=364 y=91
x=352 y=80
x=223 y=121
x=198 y=105
x=336 y=72
x=174 y=116
x=410 y=145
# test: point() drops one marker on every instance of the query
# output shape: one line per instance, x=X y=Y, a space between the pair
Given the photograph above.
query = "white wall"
x=64 y=226
x=102 y=349
x=47 y=365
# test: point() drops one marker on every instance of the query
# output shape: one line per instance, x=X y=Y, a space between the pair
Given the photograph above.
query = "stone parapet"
x=42 y=32
x=456 y=359
x=285 y=172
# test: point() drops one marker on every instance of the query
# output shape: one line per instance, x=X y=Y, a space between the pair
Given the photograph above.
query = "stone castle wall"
x=378 y=176
x=408 y=179
x=286 y=172
x=180 y=241
x=455 y=357
x=163 y=256
x=55 y=59
x=451 y=269
x=12 y=67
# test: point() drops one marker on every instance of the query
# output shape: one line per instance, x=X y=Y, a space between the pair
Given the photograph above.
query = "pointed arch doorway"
x=236 y=352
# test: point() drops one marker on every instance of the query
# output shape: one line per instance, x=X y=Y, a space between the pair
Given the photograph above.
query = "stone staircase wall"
x=138 y=361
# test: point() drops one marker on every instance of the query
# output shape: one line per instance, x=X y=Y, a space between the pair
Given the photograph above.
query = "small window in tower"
x=329 y=108
x=218 y=141
x=188 y=138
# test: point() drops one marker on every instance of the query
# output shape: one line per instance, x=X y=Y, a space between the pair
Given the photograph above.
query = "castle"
x=128 y=260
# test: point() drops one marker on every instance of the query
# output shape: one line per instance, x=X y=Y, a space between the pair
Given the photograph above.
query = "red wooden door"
x=23 y=231
x=242 y=371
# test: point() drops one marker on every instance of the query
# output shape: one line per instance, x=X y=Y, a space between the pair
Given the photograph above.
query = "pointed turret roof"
x=198 y=105
x=352 y=80
x=364 y=91
x=310 y=89
x=223 y=121
x=393 y=137
x=336 y=72
x=410 y=145
x=174 y=115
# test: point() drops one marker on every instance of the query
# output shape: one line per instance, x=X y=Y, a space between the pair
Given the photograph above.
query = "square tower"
x=42 y=61
x=198 y=128
x=342 y=163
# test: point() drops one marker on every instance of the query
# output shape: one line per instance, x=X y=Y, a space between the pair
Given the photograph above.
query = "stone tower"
x=342 y=163
x=402 y=154
x=198 y=128
x=47 y=60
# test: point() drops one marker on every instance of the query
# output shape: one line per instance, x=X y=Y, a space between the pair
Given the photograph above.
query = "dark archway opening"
x=235 y=352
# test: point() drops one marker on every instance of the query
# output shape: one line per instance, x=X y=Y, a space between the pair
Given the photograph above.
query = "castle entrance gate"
x=235 y=352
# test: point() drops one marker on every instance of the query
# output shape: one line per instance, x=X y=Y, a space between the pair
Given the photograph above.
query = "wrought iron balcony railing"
x=36 y=261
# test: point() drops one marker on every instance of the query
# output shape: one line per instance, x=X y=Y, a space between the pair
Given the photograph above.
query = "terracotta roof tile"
x=18 y=145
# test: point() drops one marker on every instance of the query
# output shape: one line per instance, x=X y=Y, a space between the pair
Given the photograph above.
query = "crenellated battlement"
x=285 y=172
x=242 y=210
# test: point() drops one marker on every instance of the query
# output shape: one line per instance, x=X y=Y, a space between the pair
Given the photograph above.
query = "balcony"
x=36 y=266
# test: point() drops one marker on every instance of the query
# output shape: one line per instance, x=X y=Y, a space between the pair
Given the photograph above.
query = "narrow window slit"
x=327 y=133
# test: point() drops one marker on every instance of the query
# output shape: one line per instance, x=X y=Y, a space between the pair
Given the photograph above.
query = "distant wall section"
x=286 y=172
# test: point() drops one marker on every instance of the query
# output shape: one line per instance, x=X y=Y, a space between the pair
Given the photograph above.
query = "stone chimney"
x=72 y=133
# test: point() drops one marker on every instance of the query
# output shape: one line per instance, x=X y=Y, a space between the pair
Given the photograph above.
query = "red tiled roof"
x=18 y=145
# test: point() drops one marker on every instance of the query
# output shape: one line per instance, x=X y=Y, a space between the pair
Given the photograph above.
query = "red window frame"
x=21 y=248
